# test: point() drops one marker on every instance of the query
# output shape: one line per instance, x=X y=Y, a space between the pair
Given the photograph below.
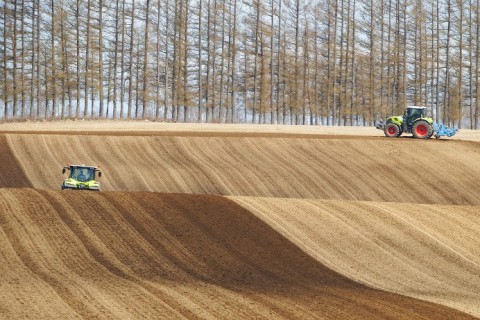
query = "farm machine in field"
x=415 y=121
x=81 y=177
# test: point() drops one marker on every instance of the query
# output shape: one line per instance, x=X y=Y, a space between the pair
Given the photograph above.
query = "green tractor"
x=415 y=121
x=81 y=177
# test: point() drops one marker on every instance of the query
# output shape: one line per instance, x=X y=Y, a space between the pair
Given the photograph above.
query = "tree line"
x=319 y=62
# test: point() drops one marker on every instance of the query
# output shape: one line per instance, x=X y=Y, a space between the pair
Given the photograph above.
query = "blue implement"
x=442 y=130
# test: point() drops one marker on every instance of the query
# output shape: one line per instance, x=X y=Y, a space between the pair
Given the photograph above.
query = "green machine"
x=415 y=121
x=81 y=177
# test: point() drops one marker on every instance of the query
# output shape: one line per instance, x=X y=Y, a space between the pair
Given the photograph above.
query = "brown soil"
x=147 y=255
x=430 y=252
x=11 y=173
x=315 y=226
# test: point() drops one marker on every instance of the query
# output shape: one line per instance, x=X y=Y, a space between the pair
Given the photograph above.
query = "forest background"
x=318 y=62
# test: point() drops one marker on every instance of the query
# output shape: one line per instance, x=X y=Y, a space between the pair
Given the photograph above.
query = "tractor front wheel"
x=392 y=130
x=422 y=129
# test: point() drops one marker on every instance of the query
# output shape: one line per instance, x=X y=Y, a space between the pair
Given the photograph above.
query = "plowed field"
x=238 y=222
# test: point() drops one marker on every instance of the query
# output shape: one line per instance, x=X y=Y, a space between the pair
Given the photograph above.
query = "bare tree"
x=77 y=35
x=372 y=39
x=87 y=59
x=459 y=103
x=446 y=95
x=100 y=59
x=5 y=72
x=158 y=70
x=233 y=56
x=22 y=60
x=186 y=95
x=477 y=64
x=15 y=58
x=130 y=63
x=145 y=60
x=53 y=64
x=115 y=59
x=122 y=65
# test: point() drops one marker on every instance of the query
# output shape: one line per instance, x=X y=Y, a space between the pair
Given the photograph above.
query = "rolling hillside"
x=225 y=224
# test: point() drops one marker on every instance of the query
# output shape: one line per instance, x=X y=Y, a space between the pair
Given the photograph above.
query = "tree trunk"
x=185 y=65
x=459 y=113
x=115 y=61
x=145 y=61
x=233 y=57
x=477 y=65
x=22 y=59
x=214 y=64
x=328 y=58
x=296 y=64
x=438 y=115
x=5 y=82
x=38 y=63
x=373 y=110
x=200 y=93
x=157 y=101
x=14 y=57
x=353 y=101
x=333 y=58
x=54 y=76
x=122 y=66
x=470 y=61
x=341 y=86
x=222 y=67
x=131 y=73
x=175 y=63
x=167 y=66
x=77 y=34
x=87 y=58
x=33 y=57
x=272 y=37
x=63 y=60
x=207 y=89
x=446 y=108
x=137 y=78
x=100 y=60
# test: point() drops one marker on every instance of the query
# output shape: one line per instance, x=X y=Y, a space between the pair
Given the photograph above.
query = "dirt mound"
x=11 y=173
x=375 y=169
x=121 y=255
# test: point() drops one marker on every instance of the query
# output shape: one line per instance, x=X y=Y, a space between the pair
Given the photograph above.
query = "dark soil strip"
x=11 y=173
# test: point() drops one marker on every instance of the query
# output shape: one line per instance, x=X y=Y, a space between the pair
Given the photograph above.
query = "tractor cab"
x=411 y=114
x=81 y=177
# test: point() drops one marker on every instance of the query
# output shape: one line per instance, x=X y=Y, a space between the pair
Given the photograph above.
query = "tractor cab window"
x=415 y=113
x=82 y=174
x=412 y=114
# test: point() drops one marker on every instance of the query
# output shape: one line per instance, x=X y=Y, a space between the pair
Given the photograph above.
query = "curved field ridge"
x=147 y=255
x=375 y=169
x=107 y=127
x=430 y=252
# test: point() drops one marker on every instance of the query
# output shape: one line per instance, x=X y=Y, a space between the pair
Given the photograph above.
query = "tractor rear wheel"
x=392 y=130
x=422 y=129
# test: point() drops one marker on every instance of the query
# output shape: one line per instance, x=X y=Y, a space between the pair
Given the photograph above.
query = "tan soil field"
x=235 y=221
